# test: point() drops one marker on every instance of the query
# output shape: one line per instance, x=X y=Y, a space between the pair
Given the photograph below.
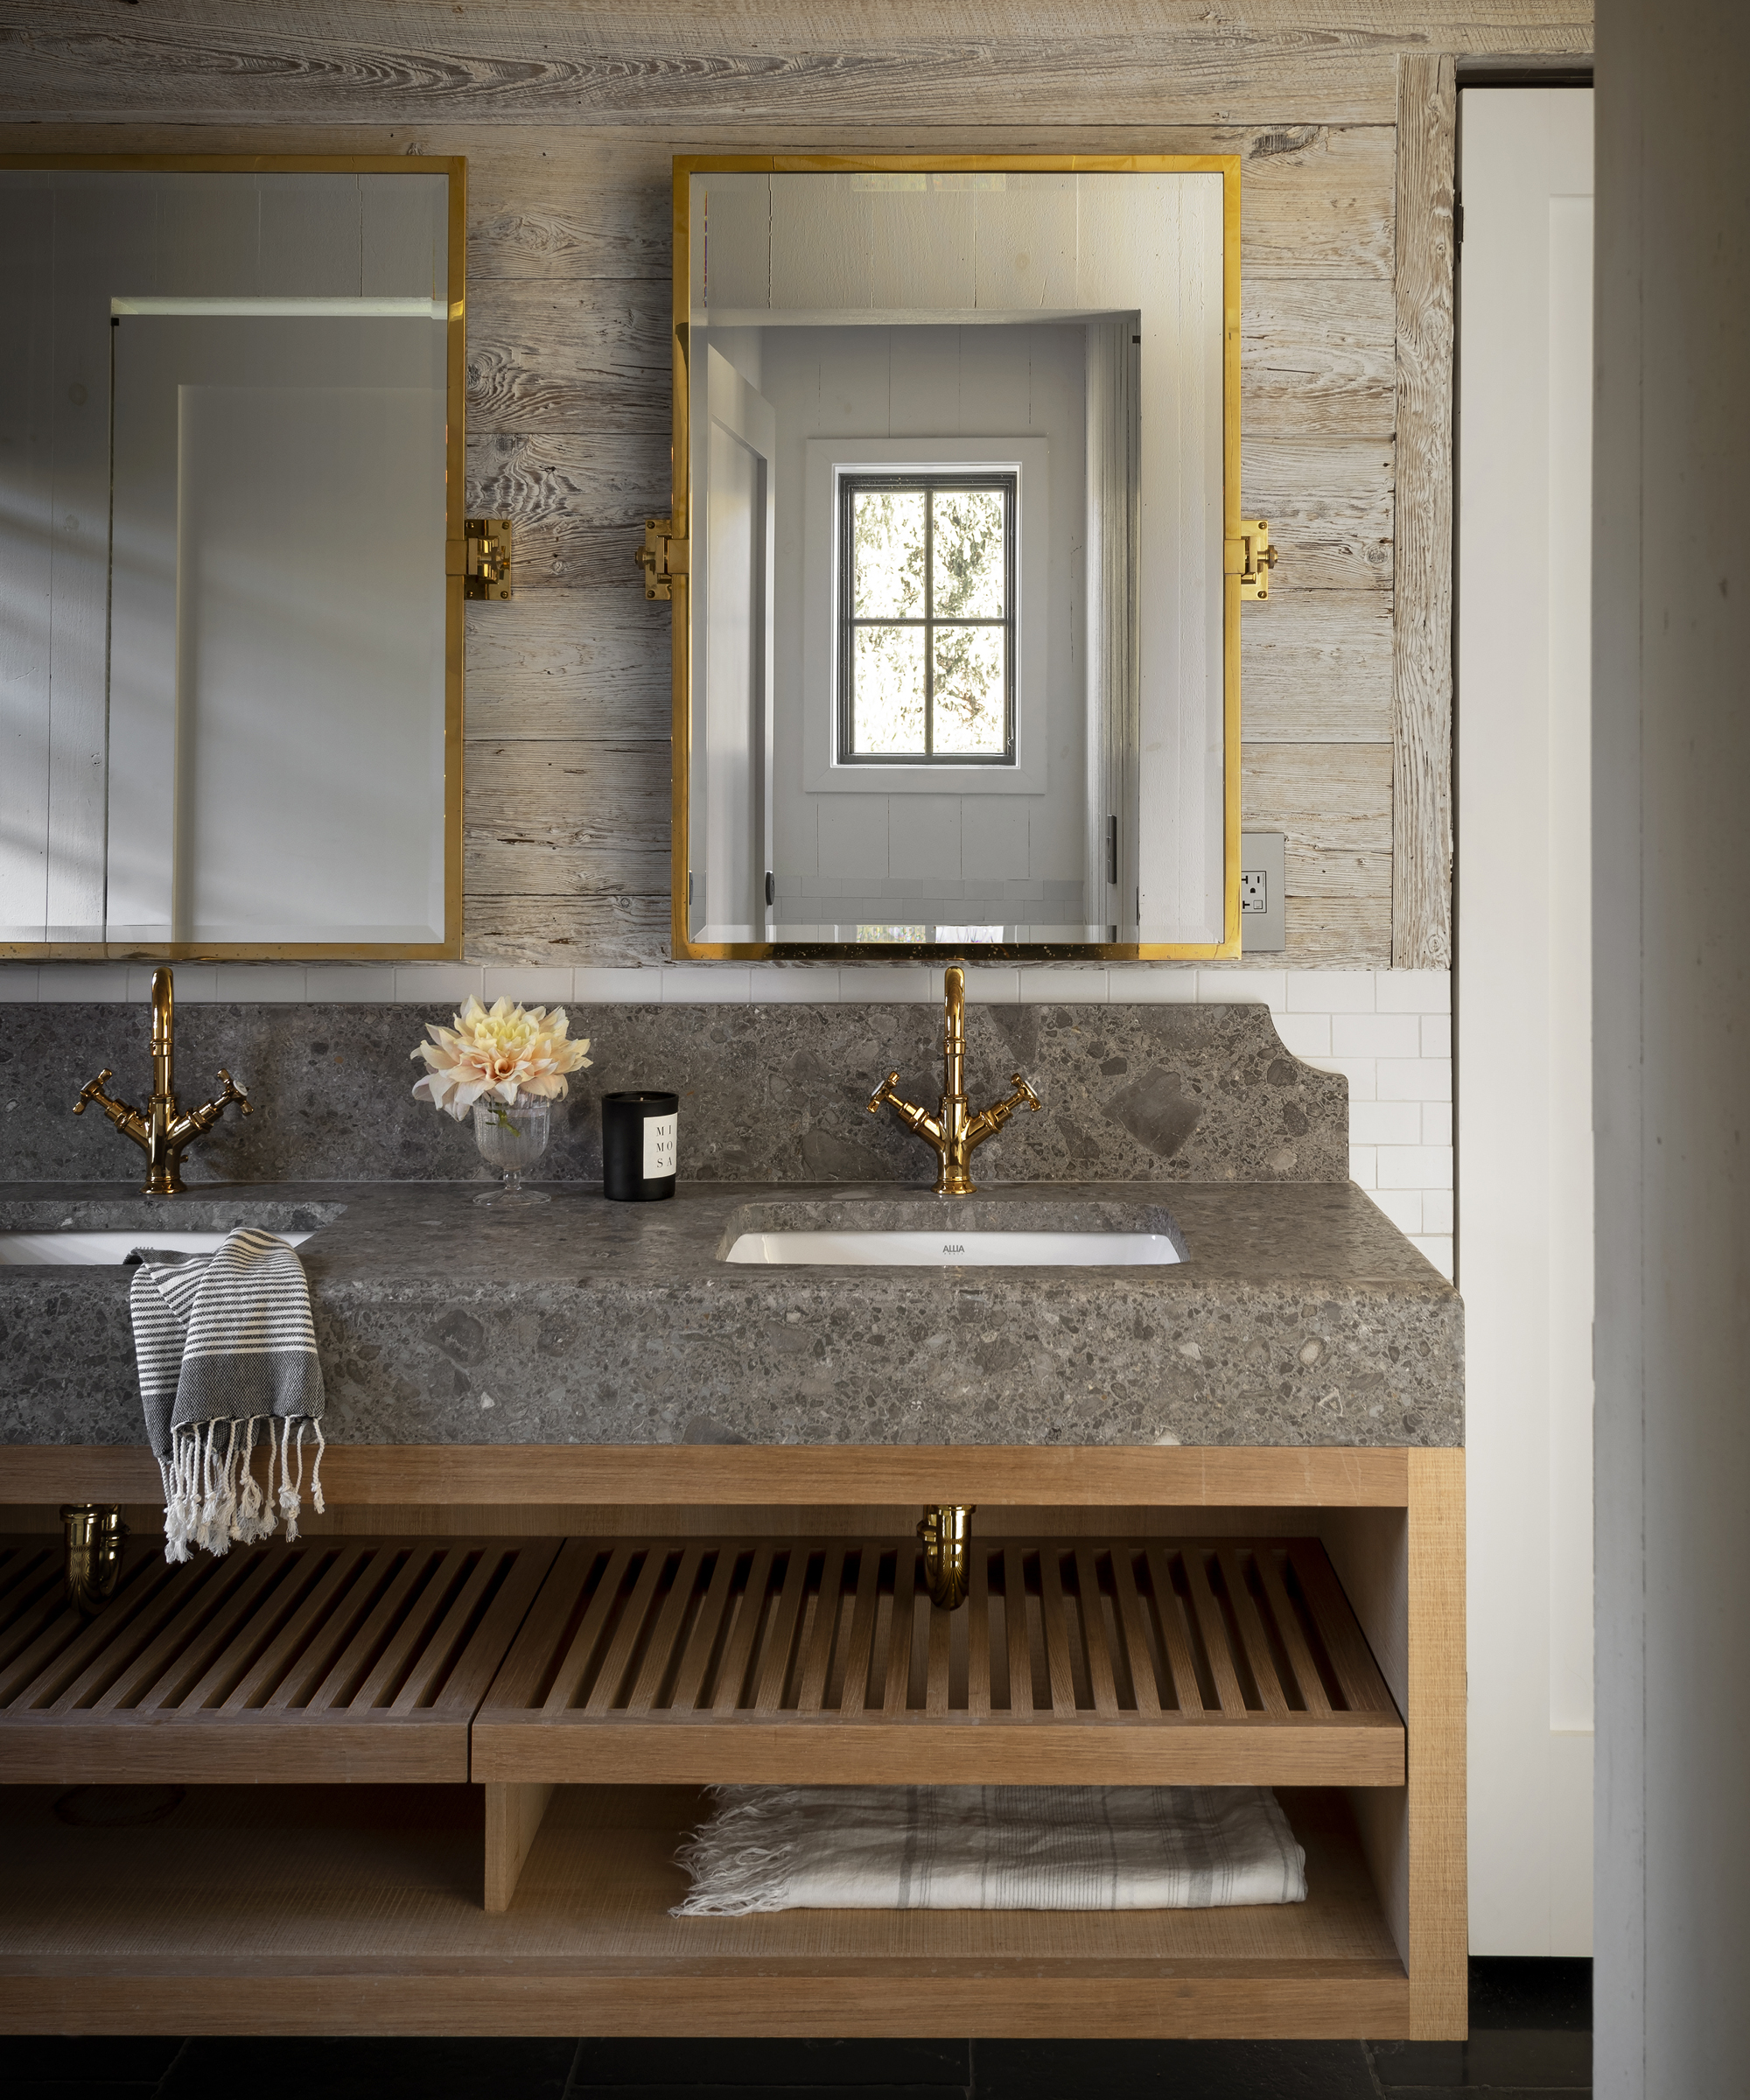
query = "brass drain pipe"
x=96 y=1538
x=947 y=1535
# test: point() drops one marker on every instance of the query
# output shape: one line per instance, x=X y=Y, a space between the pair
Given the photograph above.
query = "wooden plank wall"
x=569 y=115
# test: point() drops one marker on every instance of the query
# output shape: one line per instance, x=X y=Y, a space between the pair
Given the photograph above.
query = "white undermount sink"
x=106 y=1250
x=950 y=1249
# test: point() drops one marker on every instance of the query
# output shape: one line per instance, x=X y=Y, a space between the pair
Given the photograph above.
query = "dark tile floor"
x=1530 y=2034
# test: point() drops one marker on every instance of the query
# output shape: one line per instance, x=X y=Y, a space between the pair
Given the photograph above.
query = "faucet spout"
x=163 y=1131
x=953 y=1132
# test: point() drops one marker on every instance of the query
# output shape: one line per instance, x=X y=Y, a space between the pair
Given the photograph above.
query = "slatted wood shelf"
x=356 y=1659
x=1134 y=1661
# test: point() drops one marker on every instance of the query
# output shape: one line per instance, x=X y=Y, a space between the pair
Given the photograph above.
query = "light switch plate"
x=1264 y=918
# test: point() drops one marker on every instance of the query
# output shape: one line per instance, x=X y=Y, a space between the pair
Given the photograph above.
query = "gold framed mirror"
x=236 y=427
x=954 y=558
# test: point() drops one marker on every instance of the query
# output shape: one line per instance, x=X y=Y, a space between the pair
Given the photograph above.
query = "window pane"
x=888 y=689
x=968 y=554
x=887 y=556
x=970 y=712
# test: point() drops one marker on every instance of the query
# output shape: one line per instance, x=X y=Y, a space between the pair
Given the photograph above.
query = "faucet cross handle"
x=93 y=1090
x=1023 y=1093
x=233 y=1092
x=882 y=1094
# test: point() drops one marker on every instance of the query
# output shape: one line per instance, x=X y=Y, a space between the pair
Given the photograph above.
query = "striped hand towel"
x=225 y=1345
x=991 y=1848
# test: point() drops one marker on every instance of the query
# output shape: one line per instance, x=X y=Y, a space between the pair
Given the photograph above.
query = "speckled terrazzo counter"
x=1301 y=1317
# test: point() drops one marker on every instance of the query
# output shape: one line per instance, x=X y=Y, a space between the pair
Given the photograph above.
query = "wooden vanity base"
x=509 y=1711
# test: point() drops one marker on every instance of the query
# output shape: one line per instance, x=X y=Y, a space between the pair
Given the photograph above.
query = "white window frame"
x=1029 y=459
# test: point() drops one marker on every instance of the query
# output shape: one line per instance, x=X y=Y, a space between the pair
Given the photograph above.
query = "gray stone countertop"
x=1300 y=1317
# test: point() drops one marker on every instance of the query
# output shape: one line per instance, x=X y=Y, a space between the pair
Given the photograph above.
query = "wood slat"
x=905 y=1711
x=331 y=1658
x=1288 y=1625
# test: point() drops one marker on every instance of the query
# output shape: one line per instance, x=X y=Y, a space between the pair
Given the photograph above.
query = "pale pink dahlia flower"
x=493 y=1056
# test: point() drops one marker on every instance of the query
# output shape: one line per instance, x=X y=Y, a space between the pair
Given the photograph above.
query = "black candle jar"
x=639 y=1146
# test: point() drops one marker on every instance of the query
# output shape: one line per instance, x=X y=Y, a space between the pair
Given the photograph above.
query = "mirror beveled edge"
x=683 y=949
x=454 y=168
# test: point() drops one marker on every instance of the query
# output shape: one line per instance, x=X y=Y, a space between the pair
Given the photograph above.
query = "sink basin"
x=105 y=1250
x=950 y=1249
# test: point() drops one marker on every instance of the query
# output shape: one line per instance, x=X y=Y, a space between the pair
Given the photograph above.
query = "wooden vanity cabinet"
x=567 y=1644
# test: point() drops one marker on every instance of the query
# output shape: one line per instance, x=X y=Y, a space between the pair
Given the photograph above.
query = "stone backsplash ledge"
x=1131 y=1092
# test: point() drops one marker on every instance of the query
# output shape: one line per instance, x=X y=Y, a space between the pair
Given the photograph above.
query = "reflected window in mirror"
x=927 y=642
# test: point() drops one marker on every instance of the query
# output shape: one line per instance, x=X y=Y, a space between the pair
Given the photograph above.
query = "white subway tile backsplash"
x=803 y=986
x=1151 y=984
x=1402 y=1206
x=1414 y=1078
x=1064 y=982
x=1437 y=1210
x=437 y=983
x=78 y=982
x=526 y=987
x=1413 y=990
x=995 y=986
x=1437 y=1122
x=1305 y=1034
x=1244 y=988
x=343 y=984
x=1385 y=1123
x=273 y=984
x=706 y=984
x=1439 y=1249
x=1363 y=1166
x=18 y=983
x=1437 y=1035
x=1375 y=1035
x=888 y=983
x=617 y=987
x=1414 y=1167
x=1331 y=991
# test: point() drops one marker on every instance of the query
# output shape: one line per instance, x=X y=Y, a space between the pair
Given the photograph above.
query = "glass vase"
x=512 y=1136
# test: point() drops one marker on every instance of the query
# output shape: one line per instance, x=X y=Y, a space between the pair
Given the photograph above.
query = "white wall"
x=996 y=855
x=1671 y=977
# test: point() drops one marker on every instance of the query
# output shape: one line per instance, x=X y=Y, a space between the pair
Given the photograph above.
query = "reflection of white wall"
x=919 y=854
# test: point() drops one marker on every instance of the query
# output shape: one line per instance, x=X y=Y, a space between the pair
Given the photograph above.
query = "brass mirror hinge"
x=663 y=557
x=1250 y=557
x=487 y=572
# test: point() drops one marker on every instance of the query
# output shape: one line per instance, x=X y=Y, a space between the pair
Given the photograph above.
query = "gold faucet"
x=162 y=1133
x=952 y=1131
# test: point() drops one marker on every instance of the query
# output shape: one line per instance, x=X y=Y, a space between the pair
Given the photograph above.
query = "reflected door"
x=275 y=762
x=732 y=713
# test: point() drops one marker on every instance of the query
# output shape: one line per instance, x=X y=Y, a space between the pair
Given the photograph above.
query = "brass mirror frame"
x=1226 y=165
x=455 y=169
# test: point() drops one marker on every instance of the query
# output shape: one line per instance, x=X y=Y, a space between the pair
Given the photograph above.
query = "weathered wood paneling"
x=568 y=112
x=1422 y=877
x=1316 y=667
x=582 y=662
x=677 y=67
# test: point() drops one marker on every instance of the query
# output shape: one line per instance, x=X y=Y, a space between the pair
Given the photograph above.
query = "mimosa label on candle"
x=659 y=1146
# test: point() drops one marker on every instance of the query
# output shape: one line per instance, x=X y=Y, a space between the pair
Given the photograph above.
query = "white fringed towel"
x=991 y=1848
x=225 y=1344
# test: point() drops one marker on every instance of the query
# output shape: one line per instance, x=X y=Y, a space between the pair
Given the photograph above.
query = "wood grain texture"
x=362 y=1913
x=1316 y=667
x=619 y=931
x=1316 y=358
x=512 y=1817
x=1438 y=1910
x=742 y=1659
x=612 y=798
x=687 y=67
x=660 y=1475
x=586 y=662
x=1421 y=679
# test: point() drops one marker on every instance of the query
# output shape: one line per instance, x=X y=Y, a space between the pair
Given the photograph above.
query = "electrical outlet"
x=1263 y=894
